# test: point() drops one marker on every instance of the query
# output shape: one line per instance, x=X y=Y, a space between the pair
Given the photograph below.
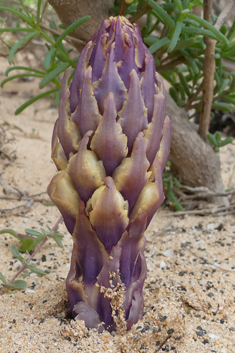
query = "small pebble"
x=146 y=328
x=182 y=273
x=205 y=341
x=163 y=318
x=168 y=253
x=43 y=258
x=200 y=333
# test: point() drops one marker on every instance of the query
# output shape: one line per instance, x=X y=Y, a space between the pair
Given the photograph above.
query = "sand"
x=189 y=292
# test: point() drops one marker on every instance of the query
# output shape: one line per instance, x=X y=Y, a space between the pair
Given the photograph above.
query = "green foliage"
x=32 y=239
x=15 y=285
x=57 y=59
x=178 y=49
x=182 y=39
x=217 y=142
x=170 y=182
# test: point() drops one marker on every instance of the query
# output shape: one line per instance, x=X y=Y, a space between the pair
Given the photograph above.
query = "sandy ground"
x=190 y=289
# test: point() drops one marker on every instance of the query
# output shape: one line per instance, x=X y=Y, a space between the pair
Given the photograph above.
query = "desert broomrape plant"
x=110 y=145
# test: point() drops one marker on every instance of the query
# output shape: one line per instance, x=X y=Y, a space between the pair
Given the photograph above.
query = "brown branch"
x=122 y=8
x=209 y=67
x=67 y=38
x=223 y=15
x=163 y=343
x=43 y=10
x=188 y=105
x=139 y=14
x=173 y=63
x=208 y=82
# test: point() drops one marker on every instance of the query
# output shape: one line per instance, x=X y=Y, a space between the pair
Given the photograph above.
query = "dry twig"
x=209 y=66
x=208 y=71
x=209 y=262
x=216 y=211
x=8 y=190
x=122 y=8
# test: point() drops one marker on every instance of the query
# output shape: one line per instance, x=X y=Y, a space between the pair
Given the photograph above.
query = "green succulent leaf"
x=231 y=32
x=53 y=74
x=71 y=28
x=226 y=141
x=195 y=3
x=225 y=107
x=190 y=61
x=17 y=13
x=20 y=76
x=159 y=44
x=177 y=183
x=178 y=4
x=16 y=29
x=19 y=44
x=224 y=84
x=175 y=36
x=23 y=68
x=181 y=44
x=49 y=57
x=198 y=31
x=39 y=3
x=34 y=99
x=218 y=136
x=228 y=99
x=212 y=139
x=174 y=199
x=184 y=83
x=25 y=9
x=161 y=13
x=209 y=26
x=223 y=29
x=167 y=77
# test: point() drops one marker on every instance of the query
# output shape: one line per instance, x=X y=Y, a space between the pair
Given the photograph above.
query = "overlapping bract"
x=110 y=145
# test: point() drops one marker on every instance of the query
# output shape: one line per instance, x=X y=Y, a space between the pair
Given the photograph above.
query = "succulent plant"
x=110 y=145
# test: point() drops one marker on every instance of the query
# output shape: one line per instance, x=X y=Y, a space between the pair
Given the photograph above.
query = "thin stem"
x=67 y=38
x=208 y=82
x=44 y=34
x=122 y=8
x=188 y=105
x=4 y=290
x=139 y=14
x=223 y=15
x=173 y=63
x=209 y=67
x=43 y=10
